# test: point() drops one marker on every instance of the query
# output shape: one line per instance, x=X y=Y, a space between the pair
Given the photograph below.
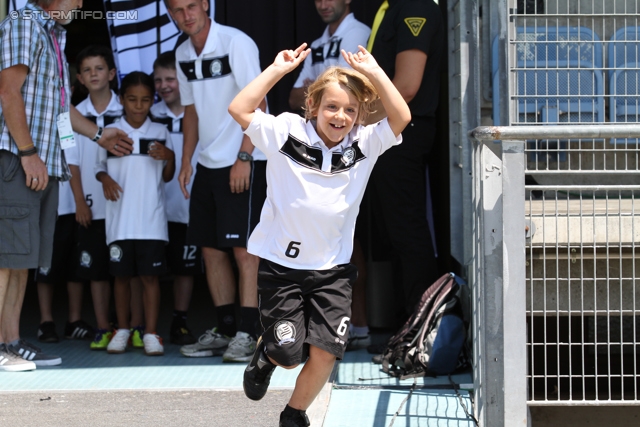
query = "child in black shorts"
x=317 y=171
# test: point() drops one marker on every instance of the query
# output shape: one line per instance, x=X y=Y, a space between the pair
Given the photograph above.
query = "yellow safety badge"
x=415 y=24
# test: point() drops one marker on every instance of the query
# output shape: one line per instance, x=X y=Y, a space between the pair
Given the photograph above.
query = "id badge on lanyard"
x=65 y=130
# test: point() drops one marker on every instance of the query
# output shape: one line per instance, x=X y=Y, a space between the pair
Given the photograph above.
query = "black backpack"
x=434 y=339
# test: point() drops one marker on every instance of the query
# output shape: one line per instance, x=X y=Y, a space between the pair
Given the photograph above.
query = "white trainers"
x=241 y=348
x=153 y=345
x=211 y=343
x=119 y=341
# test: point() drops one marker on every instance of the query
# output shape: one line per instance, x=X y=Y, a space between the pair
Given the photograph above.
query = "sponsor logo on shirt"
x=232 y=236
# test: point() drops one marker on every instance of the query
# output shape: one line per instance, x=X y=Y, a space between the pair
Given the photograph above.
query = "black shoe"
x=258 y=374
x=293 y=418
x=181 y=335
x=79 y=330
x=47 y=332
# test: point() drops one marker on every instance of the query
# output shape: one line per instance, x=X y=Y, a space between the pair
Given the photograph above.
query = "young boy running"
x=184 y=260
x=96 y=71
x=317 y=170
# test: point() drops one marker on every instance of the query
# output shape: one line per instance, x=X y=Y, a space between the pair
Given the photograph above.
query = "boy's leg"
x=312 y=378
x=100 y=293
x=45 y=301
x=75 y=291
x=12 y=306
x=151 y=299
x=122 y=299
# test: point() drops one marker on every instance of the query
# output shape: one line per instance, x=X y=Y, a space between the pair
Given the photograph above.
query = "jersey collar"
x=211 y=43
x=113 y=106
x=161 y=109
x=344 y=26
x=131 y=132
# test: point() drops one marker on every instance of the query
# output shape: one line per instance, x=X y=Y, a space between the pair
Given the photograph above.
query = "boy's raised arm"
x=243 y=106
x=398 y=112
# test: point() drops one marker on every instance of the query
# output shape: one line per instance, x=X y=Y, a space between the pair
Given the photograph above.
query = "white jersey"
x=139 y=214
x=313 y=192
x=325 y=51
x=210 y=81
x=85 y=152
x=177 y=206
x=66 y=202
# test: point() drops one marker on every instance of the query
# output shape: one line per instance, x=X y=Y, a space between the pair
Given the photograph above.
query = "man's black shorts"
x=183 y=259
x=219 y=218
x=93 y=258
x=299 y=308
x=64 y=259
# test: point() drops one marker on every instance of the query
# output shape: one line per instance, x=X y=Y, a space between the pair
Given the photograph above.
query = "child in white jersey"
x=317 y=171
x=184 y=260
x=96 y=73
x=136 y=222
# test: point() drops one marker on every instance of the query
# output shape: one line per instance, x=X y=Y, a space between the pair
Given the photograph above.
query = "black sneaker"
x=181 y=335
x=47 y=332
x=79 y=330
x=293 y=418
x=257 y=374
x=33 y=354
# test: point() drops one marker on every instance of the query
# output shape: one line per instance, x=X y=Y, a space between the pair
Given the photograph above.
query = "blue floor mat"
x=83 y=369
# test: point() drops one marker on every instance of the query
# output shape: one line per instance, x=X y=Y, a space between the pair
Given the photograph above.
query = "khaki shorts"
x=27 y=217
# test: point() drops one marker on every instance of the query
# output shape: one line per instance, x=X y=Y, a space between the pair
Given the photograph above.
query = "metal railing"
x=555 y=282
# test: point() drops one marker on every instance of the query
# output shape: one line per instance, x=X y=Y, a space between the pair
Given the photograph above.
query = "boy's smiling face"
x=336 y=114
x=166 y=84
x=94 y=74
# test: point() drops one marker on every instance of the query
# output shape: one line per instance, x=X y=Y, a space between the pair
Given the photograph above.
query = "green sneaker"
x=136 y=337
x=101 y=340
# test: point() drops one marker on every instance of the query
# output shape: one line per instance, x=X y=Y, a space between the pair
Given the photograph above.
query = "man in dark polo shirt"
x=408 y=44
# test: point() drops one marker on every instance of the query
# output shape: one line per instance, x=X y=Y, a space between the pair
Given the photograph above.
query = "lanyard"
x=60 y=69
x=376 y=24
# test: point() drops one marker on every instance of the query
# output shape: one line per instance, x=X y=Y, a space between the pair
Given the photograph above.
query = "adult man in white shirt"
x=212 y=66
x=343 y=31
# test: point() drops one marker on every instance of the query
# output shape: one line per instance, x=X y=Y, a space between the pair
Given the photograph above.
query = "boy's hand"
x=158 y=151
x=83 y=214
x=361 y=61
x=288 y=60
x=110 y=188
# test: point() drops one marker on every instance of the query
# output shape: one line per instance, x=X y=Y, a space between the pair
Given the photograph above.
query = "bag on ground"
x=434 y=339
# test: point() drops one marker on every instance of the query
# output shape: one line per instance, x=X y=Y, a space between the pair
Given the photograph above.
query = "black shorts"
x=183 y=259
x=93 y=252
x=137 y=258
x=219 y=218
x=63 y=261
x=299 y=308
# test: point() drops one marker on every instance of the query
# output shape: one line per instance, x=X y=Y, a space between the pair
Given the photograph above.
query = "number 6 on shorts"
x=343 y=326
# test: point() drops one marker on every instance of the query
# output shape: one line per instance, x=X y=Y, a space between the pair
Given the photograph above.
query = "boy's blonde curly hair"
x=357 y=83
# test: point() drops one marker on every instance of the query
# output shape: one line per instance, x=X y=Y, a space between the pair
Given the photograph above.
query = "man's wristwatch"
x=98 y=135
x=243 y=156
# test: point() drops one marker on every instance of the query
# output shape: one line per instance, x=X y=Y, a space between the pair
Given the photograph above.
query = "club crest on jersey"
x=415 y=25
x=348 y=156
x=85 y=259
x=285 y=332
x=216 y=67
x=115 y=253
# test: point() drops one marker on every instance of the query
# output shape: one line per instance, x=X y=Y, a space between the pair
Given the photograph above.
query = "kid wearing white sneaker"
x=136 y=222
